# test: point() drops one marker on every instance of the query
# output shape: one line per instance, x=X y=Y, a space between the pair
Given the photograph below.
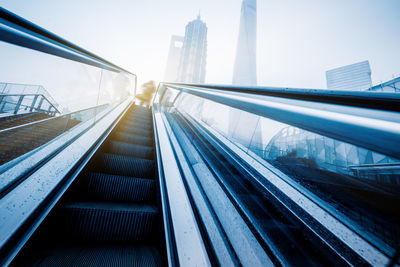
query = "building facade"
x=333 y=155
x=174 y=56
x=354 y=77
x=245 y=72
x=192 y=66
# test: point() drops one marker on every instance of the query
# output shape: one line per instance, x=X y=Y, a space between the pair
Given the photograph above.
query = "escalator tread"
x=132 y=150
x=126 y=166
x=117 y=256
x=108 y=221
x=120 y=188
x=112 y=218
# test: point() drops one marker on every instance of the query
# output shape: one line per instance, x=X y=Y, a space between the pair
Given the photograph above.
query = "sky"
x=297 y=40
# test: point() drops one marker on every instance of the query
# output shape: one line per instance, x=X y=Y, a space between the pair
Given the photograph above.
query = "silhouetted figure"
x=146 y=96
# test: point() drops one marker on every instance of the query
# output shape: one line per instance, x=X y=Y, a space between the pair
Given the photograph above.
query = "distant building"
x=174 y=56
x=392 y=86
x=192 y=67
x=245 y=72
x=292 y=143
x=354 y=77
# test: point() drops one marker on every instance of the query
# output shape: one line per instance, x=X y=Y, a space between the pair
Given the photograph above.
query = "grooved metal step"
x=120 y=188
x=131 y=150
x=133 y=139
x=109 y=222
x=116 y=256
x=148 y=126
x=125 y=166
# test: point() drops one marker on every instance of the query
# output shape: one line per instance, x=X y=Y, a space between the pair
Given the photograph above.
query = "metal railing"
x=92 y=94
x=305 y=143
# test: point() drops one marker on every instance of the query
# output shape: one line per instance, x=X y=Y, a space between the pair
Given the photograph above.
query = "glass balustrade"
x=44 y=95
x=358 y=185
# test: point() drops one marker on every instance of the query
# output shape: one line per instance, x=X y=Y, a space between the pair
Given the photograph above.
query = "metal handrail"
x=366 y=99
x=19 y=31
x=373 y=126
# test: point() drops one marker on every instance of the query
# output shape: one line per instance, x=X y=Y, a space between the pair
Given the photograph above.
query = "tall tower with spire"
x=192 y=67
x=245 y=72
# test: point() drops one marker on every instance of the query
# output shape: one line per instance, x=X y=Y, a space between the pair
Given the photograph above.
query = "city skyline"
x=297 y=42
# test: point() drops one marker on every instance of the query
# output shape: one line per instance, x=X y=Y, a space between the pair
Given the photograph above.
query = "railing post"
x=33 y=103
x=40 y=103
x=1 y=103
x=18 y=104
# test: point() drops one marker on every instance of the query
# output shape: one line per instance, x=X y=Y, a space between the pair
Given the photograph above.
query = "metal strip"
x=365 y=128
x=14 y=21
x=190 y=246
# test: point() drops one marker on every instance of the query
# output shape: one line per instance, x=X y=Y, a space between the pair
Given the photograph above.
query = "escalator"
x=110 y=216
x=286 y=240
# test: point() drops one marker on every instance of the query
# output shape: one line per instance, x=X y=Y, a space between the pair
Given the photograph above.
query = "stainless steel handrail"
x=375 y=129
x=19 y=31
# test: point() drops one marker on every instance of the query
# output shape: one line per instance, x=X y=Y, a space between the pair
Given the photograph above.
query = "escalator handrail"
x=374 y=129
x=19 y=31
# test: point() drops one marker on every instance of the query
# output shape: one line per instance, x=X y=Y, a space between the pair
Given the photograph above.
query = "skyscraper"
x=174 y=56
x=354 y=77
x=245 y=72
x=192 y=67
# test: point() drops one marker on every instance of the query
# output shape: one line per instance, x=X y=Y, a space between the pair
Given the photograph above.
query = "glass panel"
x=43 y=96
x=354 y=182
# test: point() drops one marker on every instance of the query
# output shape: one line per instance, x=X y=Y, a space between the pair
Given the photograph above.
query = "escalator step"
x=138 y=125
x=145 y=123
x=120 y=188
x=125 y=166
x=109 y=222
x=133 y=139
x=116 y=256
x=135 y=130
x=131 y=150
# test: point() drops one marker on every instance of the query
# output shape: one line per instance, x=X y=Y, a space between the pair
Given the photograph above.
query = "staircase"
x=18 y=141
x=20 y=119
x=109 y=216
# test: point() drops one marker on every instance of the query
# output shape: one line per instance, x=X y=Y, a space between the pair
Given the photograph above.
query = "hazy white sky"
x=298 y=40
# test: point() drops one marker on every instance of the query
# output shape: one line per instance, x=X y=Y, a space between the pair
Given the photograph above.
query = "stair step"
x=107 y=221
x=125 y=166
x=130 y=150
x=135 y=130
x=133 y=139
x=138 y=125
x=117 y=256
x=120 y=188
x=143 y=121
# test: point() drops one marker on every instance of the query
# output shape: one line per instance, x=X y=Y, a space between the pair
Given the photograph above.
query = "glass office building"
x=354 y=77
x=192 y=67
